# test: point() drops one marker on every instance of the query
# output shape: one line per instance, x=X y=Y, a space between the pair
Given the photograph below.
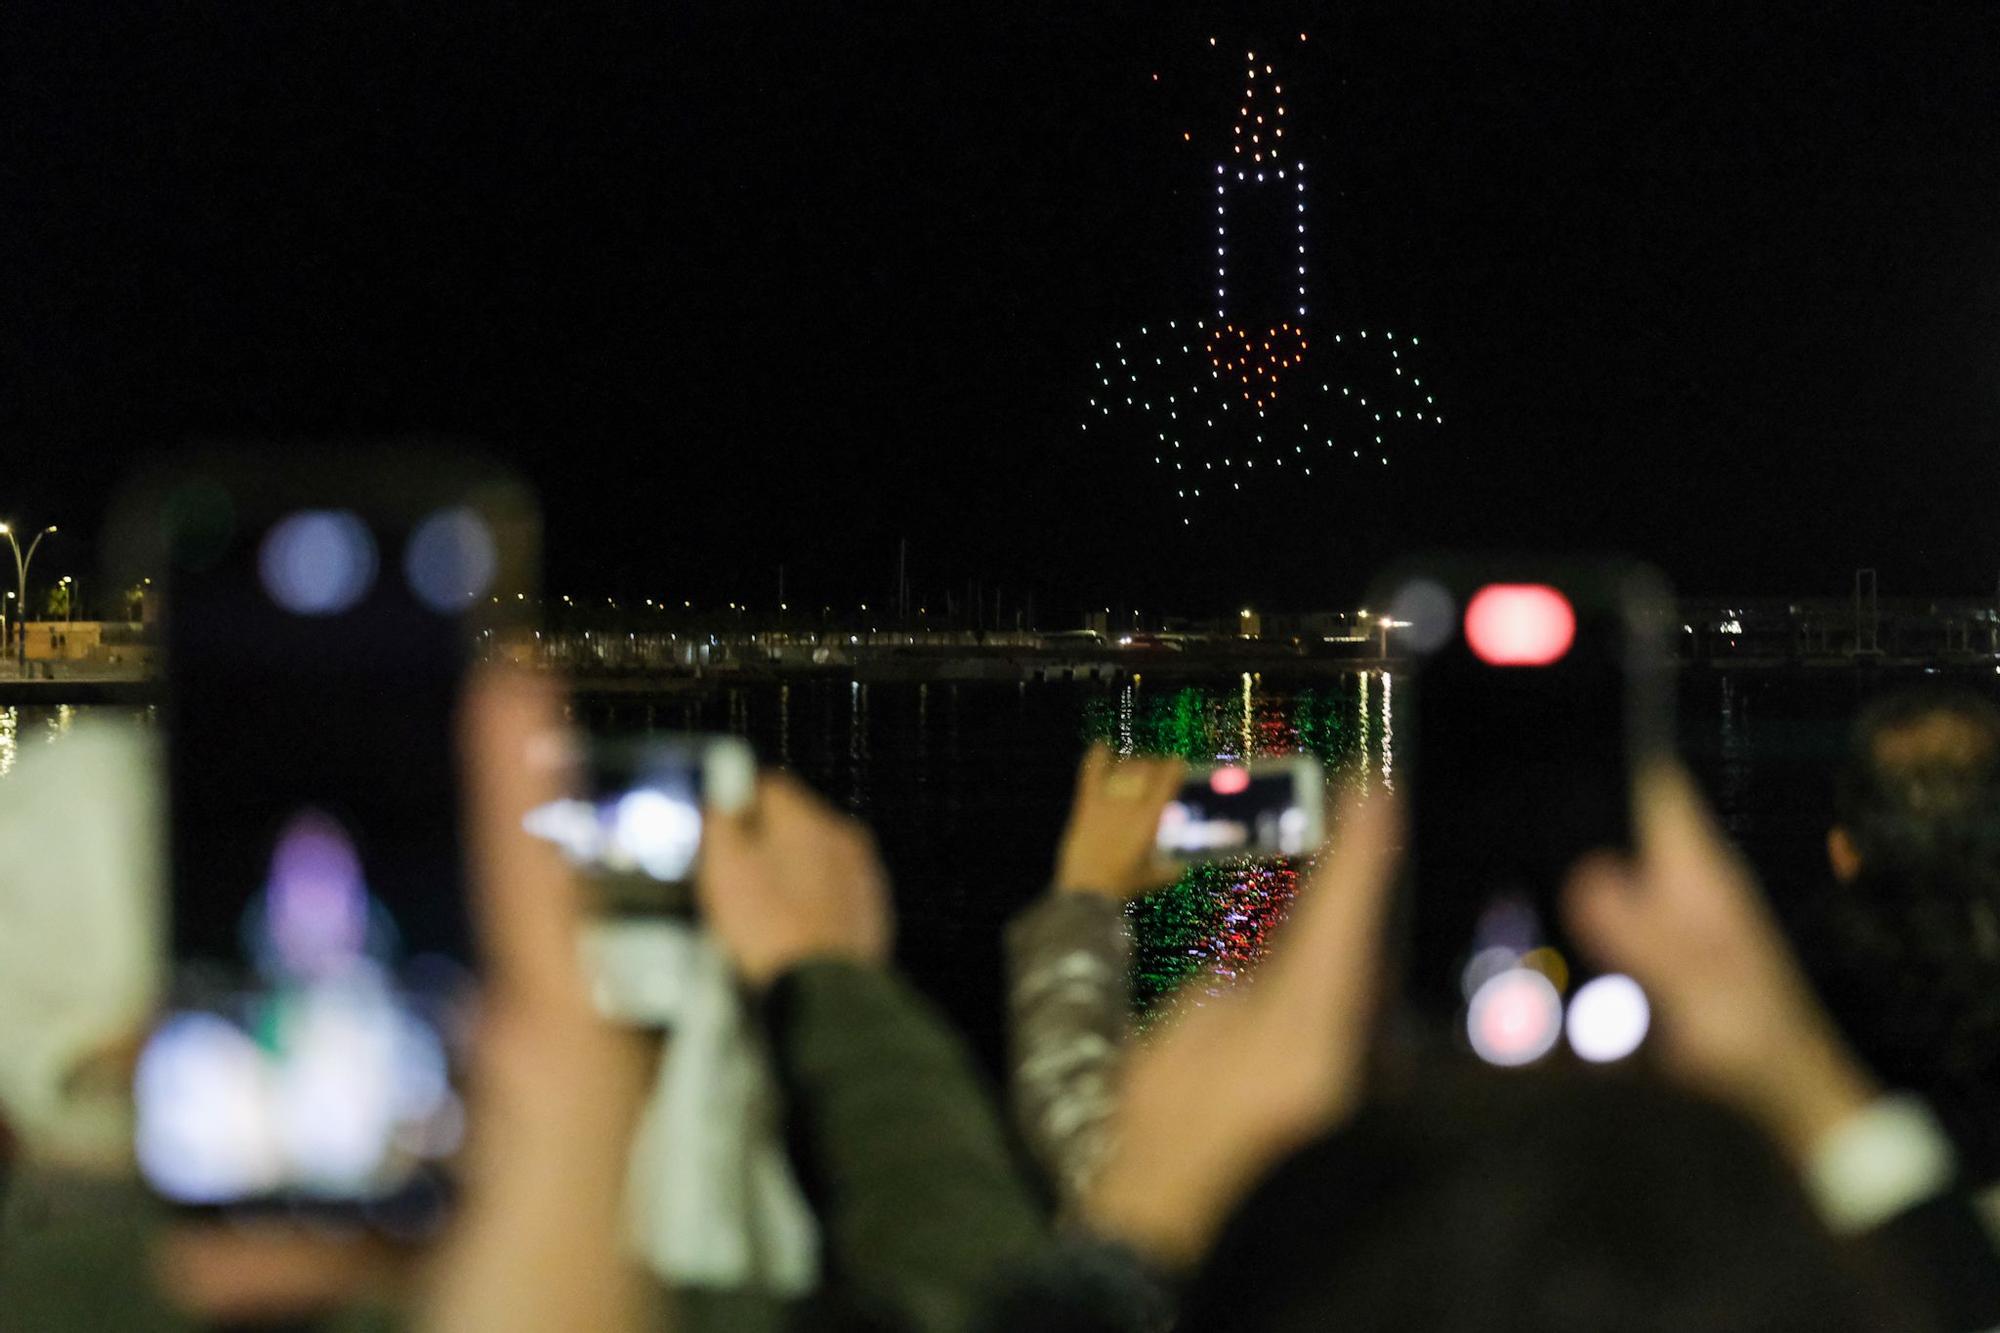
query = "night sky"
x=741 y=285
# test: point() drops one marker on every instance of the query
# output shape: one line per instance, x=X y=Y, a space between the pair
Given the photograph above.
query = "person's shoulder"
x=73 y=1254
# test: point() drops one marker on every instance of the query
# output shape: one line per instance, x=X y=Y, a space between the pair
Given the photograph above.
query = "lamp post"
x=21 y=562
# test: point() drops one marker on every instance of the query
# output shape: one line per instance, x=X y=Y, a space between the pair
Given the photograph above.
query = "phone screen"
x=1265 y=810
x=317 y=646
x=641 y=813
x=1534 y=698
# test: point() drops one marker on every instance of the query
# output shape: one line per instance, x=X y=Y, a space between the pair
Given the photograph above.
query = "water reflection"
x=1734 y=775
x=1216 y=920
x=784 y=725
x=1245 y=750
x=1388 y=732
x=1361 y=709
x=52 y=723
x=857 y=746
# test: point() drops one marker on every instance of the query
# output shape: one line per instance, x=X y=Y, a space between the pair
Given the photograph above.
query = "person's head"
x=1919 y=793
x=1546 y=1202
x=1911 y=967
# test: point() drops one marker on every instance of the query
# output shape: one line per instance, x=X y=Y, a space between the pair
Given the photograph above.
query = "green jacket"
x=74 y=1255
x=922 y=1204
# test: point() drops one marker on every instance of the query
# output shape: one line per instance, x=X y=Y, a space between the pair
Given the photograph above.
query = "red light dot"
x=1229 y=781
x=1519 y=624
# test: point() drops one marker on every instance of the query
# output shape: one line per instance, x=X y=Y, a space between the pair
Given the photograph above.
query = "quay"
x=619 y=660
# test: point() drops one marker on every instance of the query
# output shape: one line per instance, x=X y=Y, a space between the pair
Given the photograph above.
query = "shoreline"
x=1021 y=668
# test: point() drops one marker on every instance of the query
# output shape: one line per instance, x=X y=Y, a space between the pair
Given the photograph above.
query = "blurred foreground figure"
x=81 y=962
x=80 y=948
x=537 y=1242
x=1375 y=1227
x=1912 y=968
x=1549 y=1203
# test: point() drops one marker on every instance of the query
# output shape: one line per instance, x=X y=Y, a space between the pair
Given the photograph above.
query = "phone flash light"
x=1519 y=624
x=1229 y=781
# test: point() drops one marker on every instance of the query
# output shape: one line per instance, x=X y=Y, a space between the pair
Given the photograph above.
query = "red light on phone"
x=1519 y=624
x=1229 y=781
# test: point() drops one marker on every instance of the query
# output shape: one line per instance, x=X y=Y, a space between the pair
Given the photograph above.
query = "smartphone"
x=1271 y=808
x=1537 y=690
x=635 y=827
x=321 y=608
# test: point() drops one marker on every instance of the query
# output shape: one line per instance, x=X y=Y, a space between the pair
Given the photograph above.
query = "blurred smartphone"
x=1273 y=808
x=320 y=613
x=1538 y=689
x=636 y=825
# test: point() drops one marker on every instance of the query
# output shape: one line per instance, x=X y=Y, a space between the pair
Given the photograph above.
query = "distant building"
x=98 y=642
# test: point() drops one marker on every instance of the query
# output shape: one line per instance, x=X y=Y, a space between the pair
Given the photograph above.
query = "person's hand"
x=1114 y=825
x=1234 y=1085
x=1734 y=1013
x=539 y=1242
x=269 y=1273
x=791 y=880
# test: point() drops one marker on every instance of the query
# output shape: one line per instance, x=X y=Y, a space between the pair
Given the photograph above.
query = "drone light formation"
x=1219 y=396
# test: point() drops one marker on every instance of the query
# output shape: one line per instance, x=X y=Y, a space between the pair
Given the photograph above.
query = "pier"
x=1817 y=635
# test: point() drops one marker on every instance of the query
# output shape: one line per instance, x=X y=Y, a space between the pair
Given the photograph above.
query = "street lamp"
x=21 y=562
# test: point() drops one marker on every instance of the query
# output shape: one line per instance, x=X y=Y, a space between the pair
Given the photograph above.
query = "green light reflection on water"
x=1215 y=918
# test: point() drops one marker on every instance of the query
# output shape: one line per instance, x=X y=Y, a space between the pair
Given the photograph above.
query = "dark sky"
x=739 y=285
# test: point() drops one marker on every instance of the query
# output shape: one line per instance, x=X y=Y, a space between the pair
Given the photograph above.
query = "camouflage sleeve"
x=1069 y=1007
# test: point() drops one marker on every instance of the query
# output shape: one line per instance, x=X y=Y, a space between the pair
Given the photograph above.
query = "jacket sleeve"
x=1069 y=1007
x=1948 y=1257
x=899 y=1147
x=1889 y=1174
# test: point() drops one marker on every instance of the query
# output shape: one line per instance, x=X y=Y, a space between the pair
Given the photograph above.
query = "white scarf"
x=711 y=1199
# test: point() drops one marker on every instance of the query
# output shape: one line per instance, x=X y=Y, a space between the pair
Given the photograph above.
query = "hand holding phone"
x=539 y=1240
x=636 y=825
x=1538 y=693
x=320 y=613
x=1109 y=846
x=803 y=882
x=1686 y=917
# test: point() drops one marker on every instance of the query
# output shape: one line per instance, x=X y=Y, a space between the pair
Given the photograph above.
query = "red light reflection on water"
x=1255 y=899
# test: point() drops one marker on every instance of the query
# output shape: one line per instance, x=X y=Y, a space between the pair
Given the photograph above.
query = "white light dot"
x=1608 y=1018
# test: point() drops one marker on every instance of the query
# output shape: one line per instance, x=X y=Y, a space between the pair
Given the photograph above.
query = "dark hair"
x=1545 y=1202
x=1909 y=807
x=1911 y=963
